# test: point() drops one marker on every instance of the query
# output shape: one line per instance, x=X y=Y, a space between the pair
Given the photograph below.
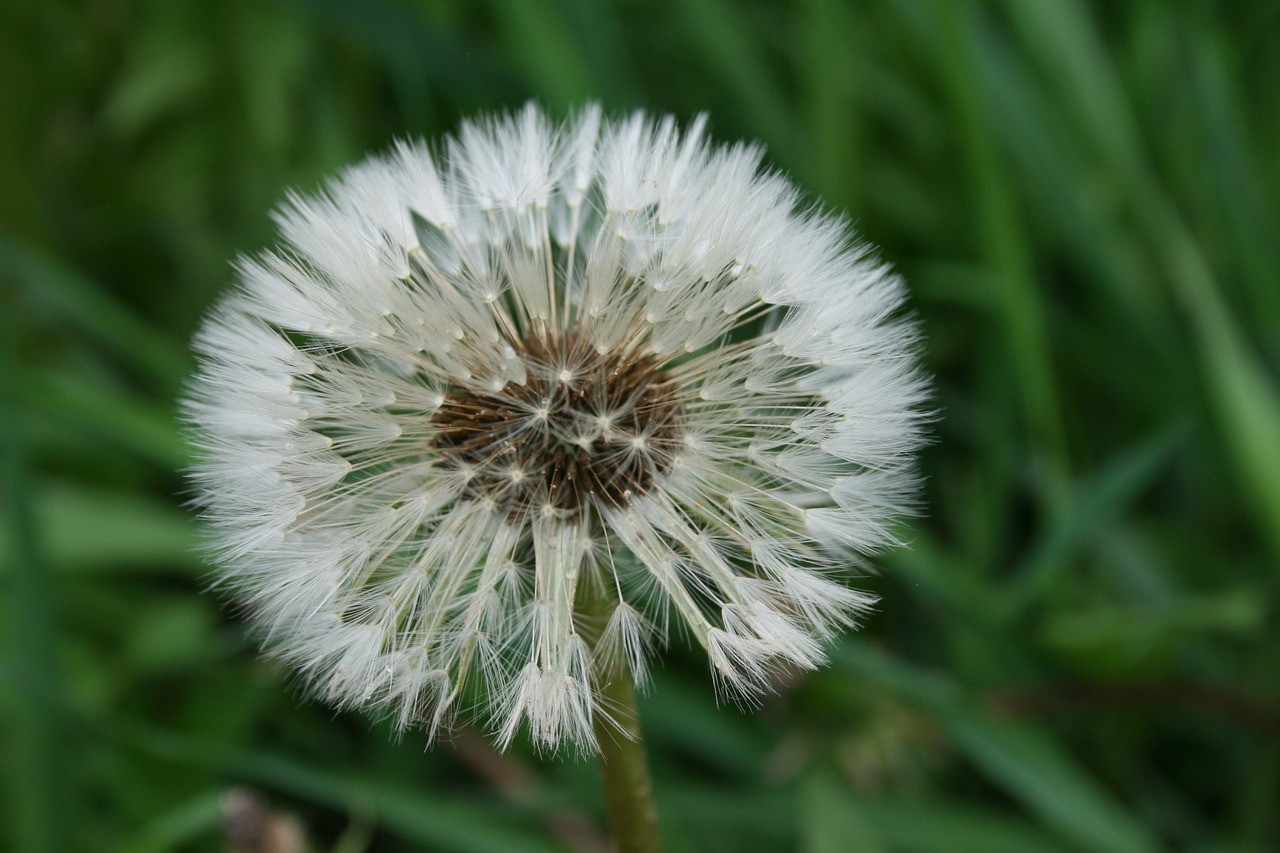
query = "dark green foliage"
x=1078 y=652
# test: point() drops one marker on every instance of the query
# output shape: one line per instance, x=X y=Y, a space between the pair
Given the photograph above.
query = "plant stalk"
x=624 y=767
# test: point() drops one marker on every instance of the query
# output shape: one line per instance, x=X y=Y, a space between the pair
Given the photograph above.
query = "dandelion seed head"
x=478 y=384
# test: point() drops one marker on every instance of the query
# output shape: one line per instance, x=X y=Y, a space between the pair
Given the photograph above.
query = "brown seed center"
x=583 y=428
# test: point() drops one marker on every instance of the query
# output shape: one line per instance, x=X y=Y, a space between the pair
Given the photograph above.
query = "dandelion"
x=500 y=418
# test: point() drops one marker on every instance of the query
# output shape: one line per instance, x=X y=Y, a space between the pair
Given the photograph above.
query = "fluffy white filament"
x=379 y=437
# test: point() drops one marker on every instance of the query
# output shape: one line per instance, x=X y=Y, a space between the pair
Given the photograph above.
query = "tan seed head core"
x=584 y=428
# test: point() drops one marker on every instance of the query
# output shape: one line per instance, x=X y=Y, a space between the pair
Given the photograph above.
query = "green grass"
x=1078 y=652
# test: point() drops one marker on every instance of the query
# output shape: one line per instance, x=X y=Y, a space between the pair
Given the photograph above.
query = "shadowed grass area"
x=1079 y=649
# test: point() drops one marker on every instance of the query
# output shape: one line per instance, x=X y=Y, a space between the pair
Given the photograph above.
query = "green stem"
x=633 y=814
x=624 y=767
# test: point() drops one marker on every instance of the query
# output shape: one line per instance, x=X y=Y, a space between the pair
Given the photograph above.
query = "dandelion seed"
x=477 y=384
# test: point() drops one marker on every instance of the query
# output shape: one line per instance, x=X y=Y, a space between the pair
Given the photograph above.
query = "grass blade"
x=33 y=755
x=81 y=302
x=1097 y=502
x=1035 y=770
x=1007 y=250
x=435 y=821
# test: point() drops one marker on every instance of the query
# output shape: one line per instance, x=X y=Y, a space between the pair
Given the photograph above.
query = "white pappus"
x=479 y=384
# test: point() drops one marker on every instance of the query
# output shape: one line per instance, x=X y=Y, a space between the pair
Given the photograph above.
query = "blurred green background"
x=1079 y=651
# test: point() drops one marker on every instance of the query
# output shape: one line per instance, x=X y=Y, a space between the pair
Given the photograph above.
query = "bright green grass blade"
x=1078 y=214
x=272 y=52
x=609 y=51
x=90 y=531
x=828 y=70
x=1248 y=214
x=1006 y=247
x=1061 y=38
x=542 y=41
x=718 y=33
x=1245 y=399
